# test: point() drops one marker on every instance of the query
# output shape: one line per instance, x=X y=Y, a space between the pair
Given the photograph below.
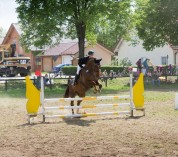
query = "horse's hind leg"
x=79 y=101
x=78 y=104
x=72 y=104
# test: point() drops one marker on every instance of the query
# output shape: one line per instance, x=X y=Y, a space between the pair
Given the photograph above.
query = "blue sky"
x=7 y=13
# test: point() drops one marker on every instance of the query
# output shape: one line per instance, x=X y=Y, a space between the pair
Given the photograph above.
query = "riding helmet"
x=91 y=52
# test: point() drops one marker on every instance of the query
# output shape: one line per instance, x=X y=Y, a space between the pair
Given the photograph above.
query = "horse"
x=89 y=76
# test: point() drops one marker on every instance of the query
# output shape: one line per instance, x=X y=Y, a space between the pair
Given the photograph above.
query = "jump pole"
x=131 y=95
x=87 y=106
x=42 y=98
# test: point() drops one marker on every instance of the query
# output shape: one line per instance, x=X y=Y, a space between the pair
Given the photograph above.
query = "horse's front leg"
x=99 y=86
x=94 y=86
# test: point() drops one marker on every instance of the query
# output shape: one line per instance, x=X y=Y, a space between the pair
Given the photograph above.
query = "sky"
x=8 y=14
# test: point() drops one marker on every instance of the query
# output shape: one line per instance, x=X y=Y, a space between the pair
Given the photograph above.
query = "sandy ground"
x=156 y=134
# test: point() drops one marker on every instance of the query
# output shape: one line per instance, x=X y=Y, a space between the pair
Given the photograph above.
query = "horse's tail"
x=66 y=95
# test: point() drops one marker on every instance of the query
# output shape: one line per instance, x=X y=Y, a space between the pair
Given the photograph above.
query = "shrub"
x=69 y=70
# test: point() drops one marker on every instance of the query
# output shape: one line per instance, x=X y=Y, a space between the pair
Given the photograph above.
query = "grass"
x=115 y=86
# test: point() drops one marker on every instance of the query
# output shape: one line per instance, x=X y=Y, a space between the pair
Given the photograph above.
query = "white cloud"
x=8 y=13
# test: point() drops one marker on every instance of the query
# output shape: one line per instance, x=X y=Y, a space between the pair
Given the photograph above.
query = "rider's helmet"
x=91 y=52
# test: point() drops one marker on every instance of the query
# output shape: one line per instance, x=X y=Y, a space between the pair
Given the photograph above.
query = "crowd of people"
x=155 y=74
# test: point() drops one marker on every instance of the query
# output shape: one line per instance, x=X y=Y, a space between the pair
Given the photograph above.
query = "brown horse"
x=89 y=76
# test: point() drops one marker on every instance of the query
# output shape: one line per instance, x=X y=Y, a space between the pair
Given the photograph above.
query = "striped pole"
x=42 y=98
x=131 y=94
x=88 y=114
x=86 y=106
x=88 y=98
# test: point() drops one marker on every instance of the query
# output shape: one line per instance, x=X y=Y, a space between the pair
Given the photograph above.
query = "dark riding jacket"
x=84 y=60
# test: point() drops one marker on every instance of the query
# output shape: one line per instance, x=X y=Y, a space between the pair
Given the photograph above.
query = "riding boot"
x=76 y=79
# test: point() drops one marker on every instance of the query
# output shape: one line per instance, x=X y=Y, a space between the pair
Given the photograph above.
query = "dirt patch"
x=156 y=134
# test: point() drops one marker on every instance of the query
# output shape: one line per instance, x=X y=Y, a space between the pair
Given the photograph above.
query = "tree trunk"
x=81 y=28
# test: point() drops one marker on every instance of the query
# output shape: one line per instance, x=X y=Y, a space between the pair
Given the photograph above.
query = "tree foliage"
x=117 y=26
x=157 y=22
x=46 y=21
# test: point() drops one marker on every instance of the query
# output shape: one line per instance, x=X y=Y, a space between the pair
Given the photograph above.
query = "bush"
x=114 y=68
x=69 y=70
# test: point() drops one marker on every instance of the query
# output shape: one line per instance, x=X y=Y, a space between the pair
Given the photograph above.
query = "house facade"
x=65 y=52
x=13 y=36
x=68 y=52
x=159 y=56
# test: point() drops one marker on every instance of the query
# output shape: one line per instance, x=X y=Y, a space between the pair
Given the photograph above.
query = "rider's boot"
x=76 y=79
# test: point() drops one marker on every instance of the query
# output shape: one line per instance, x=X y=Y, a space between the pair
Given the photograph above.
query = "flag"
x=33 y=95
x=138 y=91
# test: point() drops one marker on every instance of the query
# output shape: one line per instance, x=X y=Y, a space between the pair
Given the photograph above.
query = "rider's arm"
x=80 y=62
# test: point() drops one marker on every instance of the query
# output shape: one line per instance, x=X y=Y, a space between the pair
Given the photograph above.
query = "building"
x=68 y=52
x=65 y=52
x=13 y=36
x=159 y=56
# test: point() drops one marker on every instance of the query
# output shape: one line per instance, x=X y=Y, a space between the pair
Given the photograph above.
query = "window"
x=164 y=60
x=38 y=60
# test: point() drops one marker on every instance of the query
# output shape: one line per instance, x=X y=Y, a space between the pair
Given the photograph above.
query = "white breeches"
x=78 y=69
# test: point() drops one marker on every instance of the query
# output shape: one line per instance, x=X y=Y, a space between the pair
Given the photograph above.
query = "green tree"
x=46 y=21
x=116 y=27
x=125 y=62
x=157 y=22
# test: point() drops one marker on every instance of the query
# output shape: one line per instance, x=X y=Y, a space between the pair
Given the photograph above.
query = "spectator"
x=105 y=74
x=170 y=69
x=177 y=69
x=111 y=74
x=145 y=64
x=149 y=73
x=155 y=78
x=139 y=65
x=46 y=80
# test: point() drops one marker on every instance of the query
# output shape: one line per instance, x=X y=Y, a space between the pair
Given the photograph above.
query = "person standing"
x=139 y=65
x=145 y=65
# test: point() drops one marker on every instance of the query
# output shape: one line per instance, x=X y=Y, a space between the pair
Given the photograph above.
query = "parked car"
x=58 y=69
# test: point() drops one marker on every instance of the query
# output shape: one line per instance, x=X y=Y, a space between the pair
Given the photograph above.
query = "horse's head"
x=97 y=61
x=93 y=66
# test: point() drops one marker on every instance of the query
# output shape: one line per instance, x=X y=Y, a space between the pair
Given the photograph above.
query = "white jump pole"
x=176 y=101
x=87 y=106
x=88 y=114
x=131 y=95
x=88 y=98
x=42 y=98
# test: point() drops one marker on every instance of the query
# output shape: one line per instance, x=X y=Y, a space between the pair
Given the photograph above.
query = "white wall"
x=134 y=53
x=67 y=59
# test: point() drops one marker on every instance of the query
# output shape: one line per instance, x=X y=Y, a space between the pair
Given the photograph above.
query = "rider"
x=81 y=64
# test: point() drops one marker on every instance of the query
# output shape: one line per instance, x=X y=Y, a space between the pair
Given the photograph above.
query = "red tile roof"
x=69 y=48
